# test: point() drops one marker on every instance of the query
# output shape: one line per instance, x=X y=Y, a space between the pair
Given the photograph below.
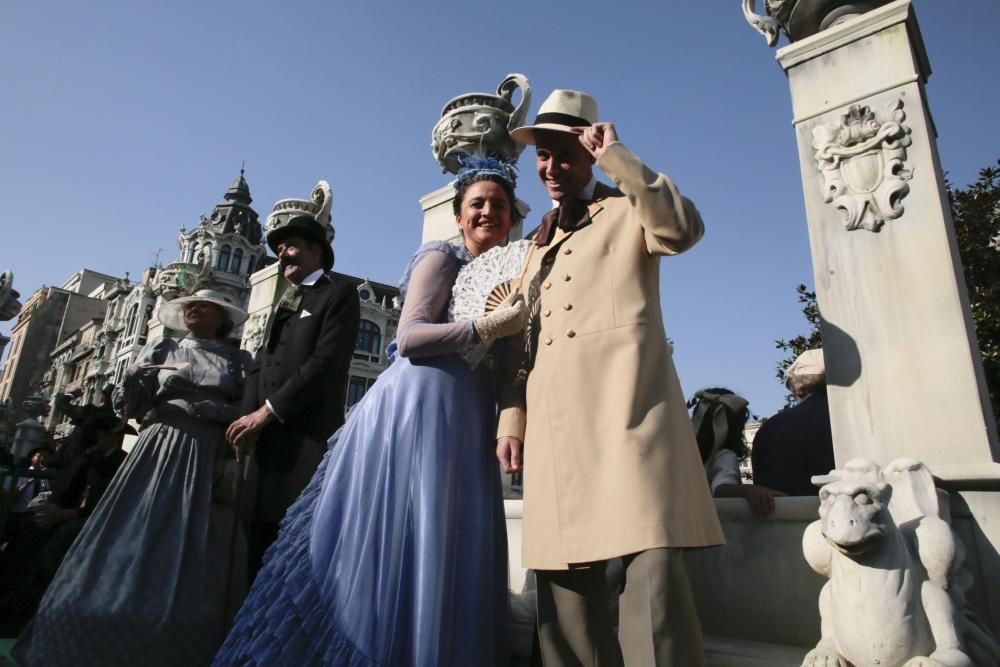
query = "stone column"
x=903 y=365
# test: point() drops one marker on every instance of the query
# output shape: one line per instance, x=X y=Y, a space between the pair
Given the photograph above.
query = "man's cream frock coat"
x=610 y=461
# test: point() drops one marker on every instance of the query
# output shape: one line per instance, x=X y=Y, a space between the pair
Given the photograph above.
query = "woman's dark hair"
x=708 y=403
x=456 y=203
x=226 y=328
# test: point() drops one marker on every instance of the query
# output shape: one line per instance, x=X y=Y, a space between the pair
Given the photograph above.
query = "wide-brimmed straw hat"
x=562 y=111
x=172 y=312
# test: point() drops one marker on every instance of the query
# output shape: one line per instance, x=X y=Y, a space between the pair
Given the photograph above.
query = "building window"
x=237 y=261
x=369 y=337
x=130 y=321
x=356 y=388
x=193 y=254
x=120 y=371
x=144 y=329
x=223 y=262
x=250 y=262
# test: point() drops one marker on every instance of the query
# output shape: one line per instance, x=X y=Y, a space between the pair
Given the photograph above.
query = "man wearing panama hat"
x=294 y=398
x=611 y=466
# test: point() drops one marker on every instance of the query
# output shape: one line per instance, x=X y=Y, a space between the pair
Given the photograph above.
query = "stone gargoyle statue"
x=896 y=594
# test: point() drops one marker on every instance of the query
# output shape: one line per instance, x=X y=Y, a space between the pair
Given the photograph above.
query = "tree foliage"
x=976 y=214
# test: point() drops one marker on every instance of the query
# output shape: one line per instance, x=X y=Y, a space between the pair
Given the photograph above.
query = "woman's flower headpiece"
x=476 y=165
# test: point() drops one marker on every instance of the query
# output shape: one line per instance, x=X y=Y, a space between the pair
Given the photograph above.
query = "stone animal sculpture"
x=896 y=595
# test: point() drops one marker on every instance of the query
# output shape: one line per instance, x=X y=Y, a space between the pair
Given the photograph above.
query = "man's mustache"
x=290 y=261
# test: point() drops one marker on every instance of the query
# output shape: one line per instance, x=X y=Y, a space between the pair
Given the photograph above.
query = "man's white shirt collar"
x=312 y=278
x=586 y=194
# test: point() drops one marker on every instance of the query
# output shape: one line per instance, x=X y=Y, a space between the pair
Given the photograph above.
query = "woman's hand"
x=509 y=454
x=505 y=321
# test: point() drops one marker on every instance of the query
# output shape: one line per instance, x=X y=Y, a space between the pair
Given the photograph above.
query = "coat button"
x=570 y=333
x=546 y=284
x=546 y=312
x=566 y=277
x=548 y=341
x=568 y=251
x=567 y=306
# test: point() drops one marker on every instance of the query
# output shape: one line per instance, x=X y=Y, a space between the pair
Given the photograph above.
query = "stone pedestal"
x=439 y=217
x=266 y=288
x=903 y=363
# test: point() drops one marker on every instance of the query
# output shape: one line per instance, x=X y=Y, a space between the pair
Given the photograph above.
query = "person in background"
x=54 y=518
x=151 y=574
x=295 y=394
x=79 y=416
x=796 y=444
x=718 y=418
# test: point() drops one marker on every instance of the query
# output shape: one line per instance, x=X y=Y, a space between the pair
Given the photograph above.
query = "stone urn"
x=481 y=123
x=9 y=305
x=799 y=19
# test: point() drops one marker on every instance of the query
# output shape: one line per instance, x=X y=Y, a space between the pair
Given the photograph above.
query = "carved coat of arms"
x=862 y=161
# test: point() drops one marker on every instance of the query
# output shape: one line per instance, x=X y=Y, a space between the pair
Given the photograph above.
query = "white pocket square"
x=305 y=313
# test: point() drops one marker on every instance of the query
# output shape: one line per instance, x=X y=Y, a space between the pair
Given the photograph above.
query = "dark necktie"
x=571 y=214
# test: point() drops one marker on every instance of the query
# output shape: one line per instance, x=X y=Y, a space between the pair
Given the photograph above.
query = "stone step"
x=728 y=652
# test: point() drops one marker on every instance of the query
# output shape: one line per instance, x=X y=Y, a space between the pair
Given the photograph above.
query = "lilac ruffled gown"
x=396 y=552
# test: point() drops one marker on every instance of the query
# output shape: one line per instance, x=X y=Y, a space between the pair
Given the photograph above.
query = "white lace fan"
x=483 y=283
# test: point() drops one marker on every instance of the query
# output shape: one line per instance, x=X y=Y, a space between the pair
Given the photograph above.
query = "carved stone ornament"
x=318 y=206
x=9 y=305
x=181 y=278
x=862 y=161
x=481 y=123
x=897 y=577
x=253 y=331
x=801 y=18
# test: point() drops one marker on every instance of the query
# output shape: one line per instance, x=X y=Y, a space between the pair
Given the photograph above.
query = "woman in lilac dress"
x=396 y=552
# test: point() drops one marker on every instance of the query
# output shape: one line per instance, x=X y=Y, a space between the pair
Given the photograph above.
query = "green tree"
x=976 y=213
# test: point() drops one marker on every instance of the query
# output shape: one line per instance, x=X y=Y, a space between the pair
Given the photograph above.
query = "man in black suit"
x=796 y=444
x=294 y=399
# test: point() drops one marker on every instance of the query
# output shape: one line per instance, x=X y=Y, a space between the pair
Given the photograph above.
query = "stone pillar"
x=904 y=372
x=439 y=217
x=903 y=365
x=266 y=288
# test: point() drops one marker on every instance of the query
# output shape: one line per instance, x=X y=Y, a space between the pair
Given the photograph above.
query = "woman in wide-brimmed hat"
x=145 y=583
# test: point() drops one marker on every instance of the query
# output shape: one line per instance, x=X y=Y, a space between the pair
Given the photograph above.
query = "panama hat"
x=562 y=111
x=172 y=312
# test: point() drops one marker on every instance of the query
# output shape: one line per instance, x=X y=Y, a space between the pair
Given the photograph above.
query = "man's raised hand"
x=597 y=137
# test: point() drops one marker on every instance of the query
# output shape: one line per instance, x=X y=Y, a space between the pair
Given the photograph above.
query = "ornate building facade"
x=219 y=253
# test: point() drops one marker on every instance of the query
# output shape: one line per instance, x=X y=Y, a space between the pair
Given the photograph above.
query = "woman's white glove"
x=506 y=320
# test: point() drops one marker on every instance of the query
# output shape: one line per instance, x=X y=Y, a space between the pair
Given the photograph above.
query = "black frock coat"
x=301 y=370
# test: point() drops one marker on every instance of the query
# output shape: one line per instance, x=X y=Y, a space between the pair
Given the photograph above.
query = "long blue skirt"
x=396 y=552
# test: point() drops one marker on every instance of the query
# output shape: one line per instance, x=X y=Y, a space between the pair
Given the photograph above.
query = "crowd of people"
x=252 y=524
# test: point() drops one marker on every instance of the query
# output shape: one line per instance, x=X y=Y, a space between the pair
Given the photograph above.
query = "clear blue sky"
x=122 y=121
